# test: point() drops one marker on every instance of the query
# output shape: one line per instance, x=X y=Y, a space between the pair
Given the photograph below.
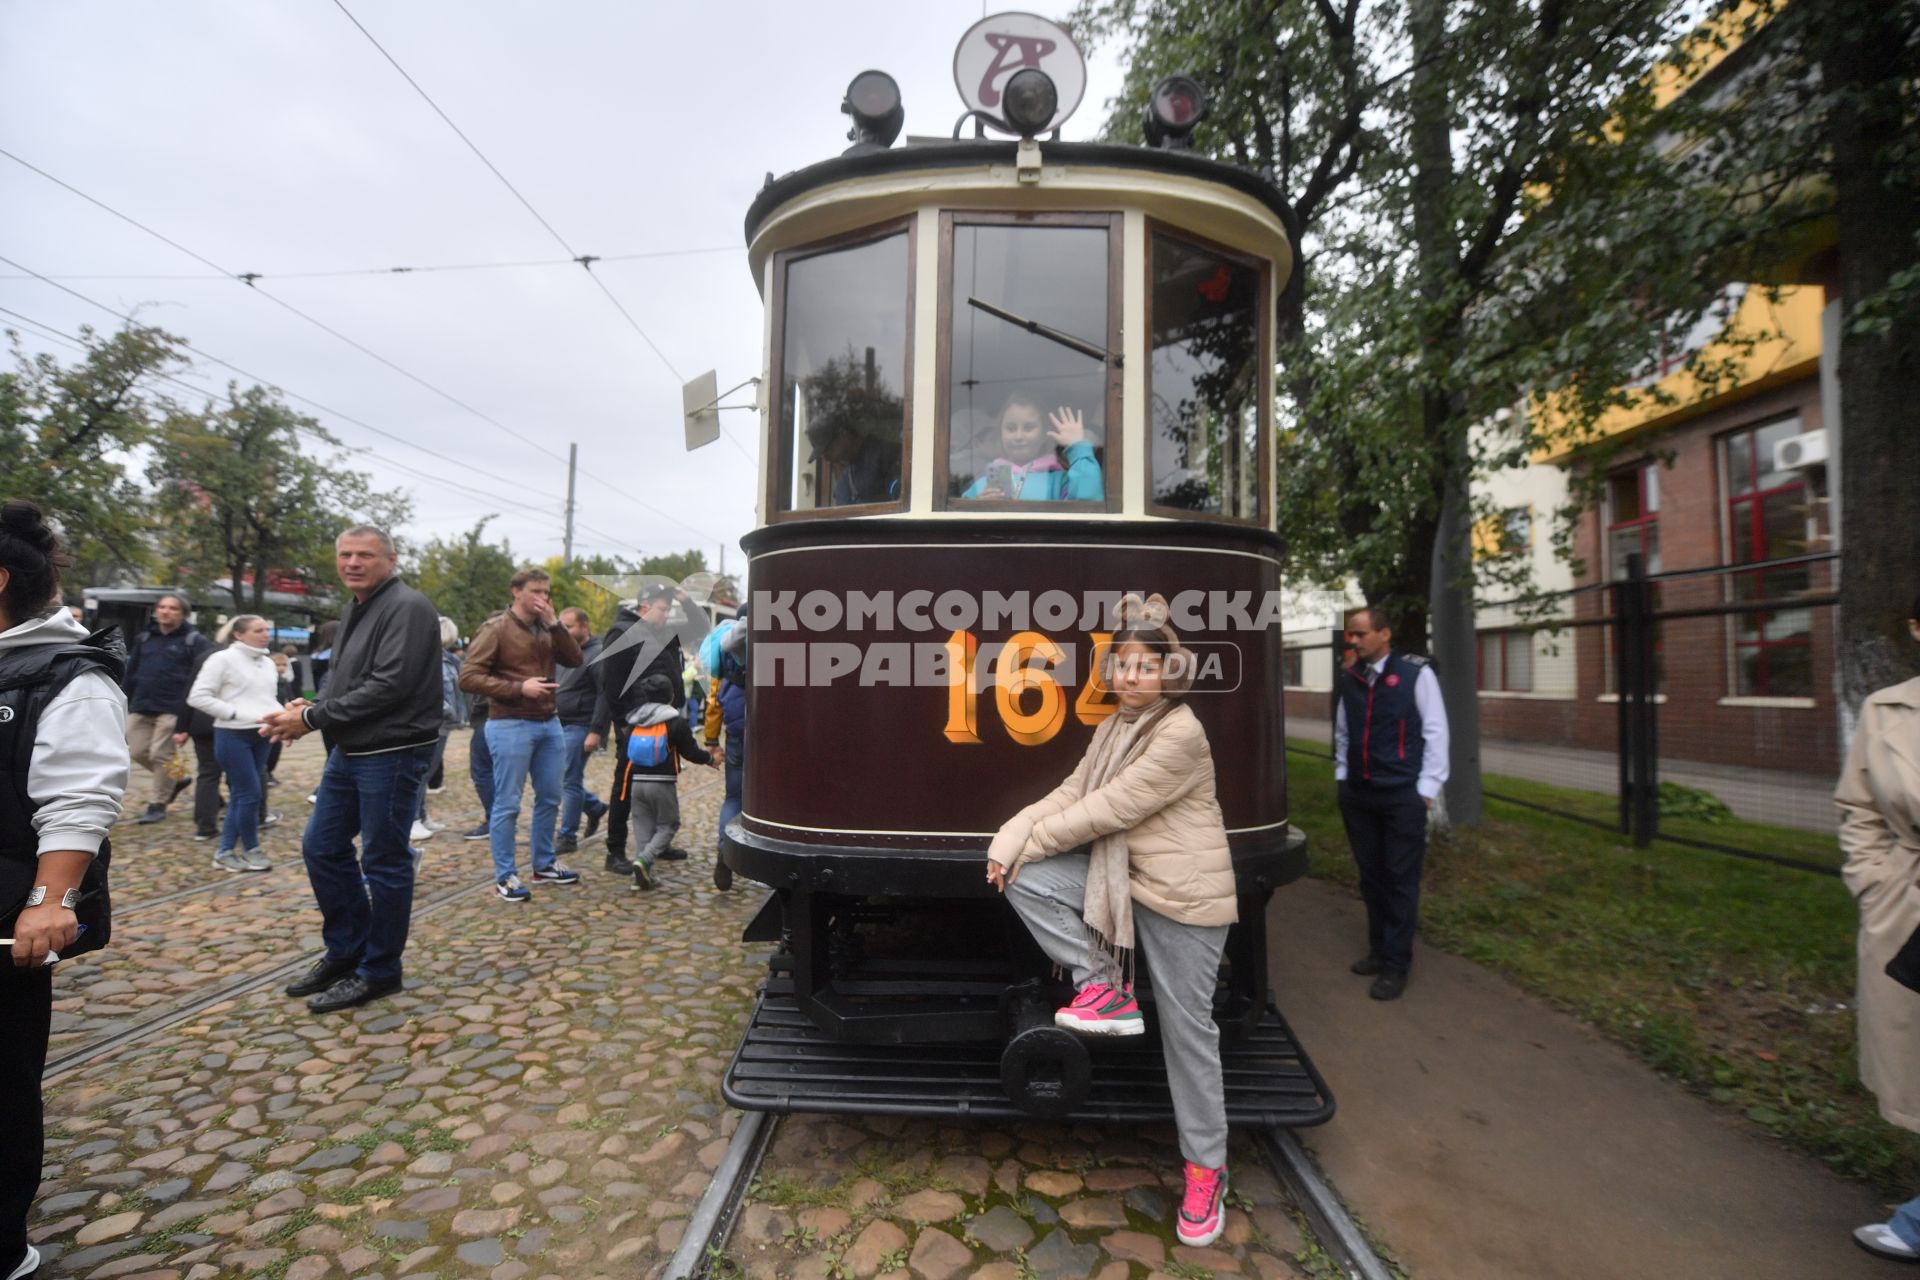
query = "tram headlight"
x=1030 y=101
x=873 y=100
x=1175 y=106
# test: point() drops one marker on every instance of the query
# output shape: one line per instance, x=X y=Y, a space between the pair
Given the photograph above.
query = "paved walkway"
x=1483 y=1134
x=1798 y=800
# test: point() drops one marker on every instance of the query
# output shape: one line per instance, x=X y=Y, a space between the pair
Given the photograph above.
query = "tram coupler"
x=1044 y=1070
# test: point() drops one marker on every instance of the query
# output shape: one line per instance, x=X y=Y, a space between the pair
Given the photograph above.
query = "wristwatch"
x=70 y=899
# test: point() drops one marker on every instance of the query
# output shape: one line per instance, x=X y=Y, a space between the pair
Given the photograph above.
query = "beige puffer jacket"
x=1177 y=859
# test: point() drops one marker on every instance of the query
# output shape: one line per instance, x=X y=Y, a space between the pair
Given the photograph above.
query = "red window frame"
x=1649 y=517
x=1746 y=531
x=1500 y=684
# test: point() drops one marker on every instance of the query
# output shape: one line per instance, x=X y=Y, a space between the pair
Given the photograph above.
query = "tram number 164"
x=1023 y=667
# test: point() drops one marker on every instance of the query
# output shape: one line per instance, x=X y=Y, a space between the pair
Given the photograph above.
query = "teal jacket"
x=1045 y=480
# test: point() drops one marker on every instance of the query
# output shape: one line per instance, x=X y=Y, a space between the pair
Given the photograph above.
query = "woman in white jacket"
x=236 y=687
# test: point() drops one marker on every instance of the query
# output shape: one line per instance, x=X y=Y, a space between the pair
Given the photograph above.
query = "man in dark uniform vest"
x=1390 y=761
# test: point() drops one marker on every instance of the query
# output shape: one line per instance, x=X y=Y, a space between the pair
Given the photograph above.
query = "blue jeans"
x=577 y=798
x=521 y=748
x=730 y=807
x=480 y=767
x=242 y=755
x=1906 y=1223
x=366 y=902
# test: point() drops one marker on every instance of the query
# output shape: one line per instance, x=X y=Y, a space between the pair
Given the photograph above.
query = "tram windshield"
x=1205 y=380
x=843 y=356
x=1028 y=387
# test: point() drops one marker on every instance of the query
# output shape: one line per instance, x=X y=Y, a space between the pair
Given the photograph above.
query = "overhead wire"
x=427 y=269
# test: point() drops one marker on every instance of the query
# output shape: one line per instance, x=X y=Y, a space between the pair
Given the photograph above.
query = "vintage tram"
x=928 y=585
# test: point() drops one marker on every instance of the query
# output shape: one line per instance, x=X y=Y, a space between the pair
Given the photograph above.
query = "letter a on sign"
x=996 y=47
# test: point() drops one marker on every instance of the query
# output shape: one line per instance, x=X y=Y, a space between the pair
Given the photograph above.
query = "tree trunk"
x=1449 y=563
x=1860 y=47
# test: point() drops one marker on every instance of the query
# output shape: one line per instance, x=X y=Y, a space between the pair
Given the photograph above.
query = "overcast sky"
x=275 y=138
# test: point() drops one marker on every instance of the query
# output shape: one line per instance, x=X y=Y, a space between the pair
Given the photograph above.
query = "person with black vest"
x=63 y=771
x=159 y=671
x=380 y=713
x=1389 y=761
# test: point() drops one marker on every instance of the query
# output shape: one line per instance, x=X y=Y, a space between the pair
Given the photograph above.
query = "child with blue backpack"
x=657 y=739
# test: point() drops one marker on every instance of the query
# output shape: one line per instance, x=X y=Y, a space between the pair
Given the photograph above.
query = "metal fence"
x=1695 y=707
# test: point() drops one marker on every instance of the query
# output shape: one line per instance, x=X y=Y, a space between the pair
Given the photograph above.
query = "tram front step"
x=787 y=1064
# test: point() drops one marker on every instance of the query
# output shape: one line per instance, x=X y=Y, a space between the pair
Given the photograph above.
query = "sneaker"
x=566 y=844
x=593 y=822
x=230 y=860
x=435 y=825
x=1203 y=1208
x=511 y=890
x=205 y=835
x=1879 y=1240
x=1367 y=965
x=1102 y=1010
x=558 y=873
x=673 y=853
x=313 y=797
x=28 y=1265
x=421 y=833
x=155 y=813
x=271 y=820
x=478 y=833
x=418 y=858
x=256 y=860
x=272 y=781
x=434 y=791
x=618 y=865
x=643 y=877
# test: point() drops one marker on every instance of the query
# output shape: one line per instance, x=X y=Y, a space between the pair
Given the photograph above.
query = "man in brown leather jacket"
x=512 y=661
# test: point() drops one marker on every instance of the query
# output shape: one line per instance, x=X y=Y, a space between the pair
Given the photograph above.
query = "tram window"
x=1027 y=411
x=1205 y=380
x=843 y=344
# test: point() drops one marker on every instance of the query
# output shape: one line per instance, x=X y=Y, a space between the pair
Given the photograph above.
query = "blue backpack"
x=648 y=747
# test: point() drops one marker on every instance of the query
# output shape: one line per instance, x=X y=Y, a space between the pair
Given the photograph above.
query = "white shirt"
x=1433 y=730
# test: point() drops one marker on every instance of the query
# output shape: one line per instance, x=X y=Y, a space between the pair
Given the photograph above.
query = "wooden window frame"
x=783 y=444
x=1113 y=447
x=1263 y=389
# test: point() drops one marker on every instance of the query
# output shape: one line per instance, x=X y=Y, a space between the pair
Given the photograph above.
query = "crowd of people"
x=1126 y=861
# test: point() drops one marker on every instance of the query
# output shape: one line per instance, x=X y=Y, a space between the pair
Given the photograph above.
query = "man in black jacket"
x=380 y=711
x=574 y=702
x=158 y=672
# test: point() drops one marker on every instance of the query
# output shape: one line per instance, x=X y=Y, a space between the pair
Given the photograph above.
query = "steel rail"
x=1333 y=1227
x=711 y=1225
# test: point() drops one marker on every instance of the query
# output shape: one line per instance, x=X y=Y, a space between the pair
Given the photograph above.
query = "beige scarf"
x=1120 y=740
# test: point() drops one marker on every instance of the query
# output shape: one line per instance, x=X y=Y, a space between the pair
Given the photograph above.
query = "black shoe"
x=350 y=993
x=325 y=972
x=618 y=865
x=673 y=854
x=593 y=823
x=1389 y=984
x=205 y=835
x=155 y=813
x=1368 y=965
x=478 y=833
x=566 y=844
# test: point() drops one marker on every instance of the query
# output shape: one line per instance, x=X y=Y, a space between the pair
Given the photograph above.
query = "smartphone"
x=1000 y=476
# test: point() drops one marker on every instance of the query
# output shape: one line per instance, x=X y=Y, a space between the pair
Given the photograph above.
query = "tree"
x=467 y=577
x=65 y=437
x=576 y=588
x=247 y=503
x=677 y=565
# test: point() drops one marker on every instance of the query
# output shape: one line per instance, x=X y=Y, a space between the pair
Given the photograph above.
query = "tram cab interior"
x=1025 y=370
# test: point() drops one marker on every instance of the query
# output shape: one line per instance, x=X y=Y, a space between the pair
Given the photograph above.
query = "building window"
x=1506 y=661
x=1293 y=668
x=1771 y=515
x=1633 y=518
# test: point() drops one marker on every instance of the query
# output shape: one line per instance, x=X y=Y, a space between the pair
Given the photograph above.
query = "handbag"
x=1904 y=968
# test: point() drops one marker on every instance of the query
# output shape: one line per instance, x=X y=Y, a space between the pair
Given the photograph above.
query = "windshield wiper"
x=1051 y=334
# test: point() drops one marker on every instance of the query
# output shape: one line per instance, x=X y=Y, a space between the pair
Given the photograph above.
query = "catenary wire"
x=428 y=269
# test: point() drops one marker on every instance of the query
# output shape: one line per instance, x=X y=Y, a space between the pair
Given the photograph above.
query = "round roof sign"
x=996 y=47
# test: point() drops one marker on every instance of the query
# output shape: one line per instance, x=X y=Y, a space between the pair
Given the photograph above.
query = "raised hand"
x=1069 y=426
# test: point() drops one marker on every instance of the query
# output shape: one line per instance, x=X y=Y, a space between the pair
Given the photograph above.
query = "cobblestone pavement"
x=884 y=1196
x=542 y=1100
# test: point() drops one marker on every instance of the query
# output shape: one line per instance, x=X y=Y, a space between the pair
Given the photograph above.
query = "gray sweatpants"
x=1183 y=960
x=653 y=818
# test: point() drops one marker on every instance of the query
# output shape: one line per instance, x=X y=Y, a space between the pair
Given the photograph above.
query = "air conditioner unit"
x=1808 y=449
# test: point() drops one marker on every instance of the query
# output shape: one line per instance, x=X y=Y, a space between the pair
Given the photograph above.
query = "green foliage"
x=65 y=433
x=466 y=577
x=244 y=498
x=1692 y=804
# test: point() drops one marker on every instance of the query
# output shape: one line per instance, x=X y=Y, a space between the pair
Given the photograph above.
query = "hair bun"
x=23 y=520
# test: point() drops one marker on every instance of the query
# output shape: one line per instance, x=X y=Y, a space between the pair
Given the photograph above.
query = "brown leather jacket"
x=508 y=651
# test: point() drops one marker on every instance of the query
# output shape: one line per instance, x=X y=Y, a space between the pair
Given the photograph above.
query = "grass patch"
x=1734 y=977
x=383 y=1188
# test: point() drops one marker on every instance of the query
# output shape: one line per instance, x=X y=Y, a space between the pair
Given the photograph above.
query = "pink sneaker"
x=1102 y=1010
x=1203 y=1208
